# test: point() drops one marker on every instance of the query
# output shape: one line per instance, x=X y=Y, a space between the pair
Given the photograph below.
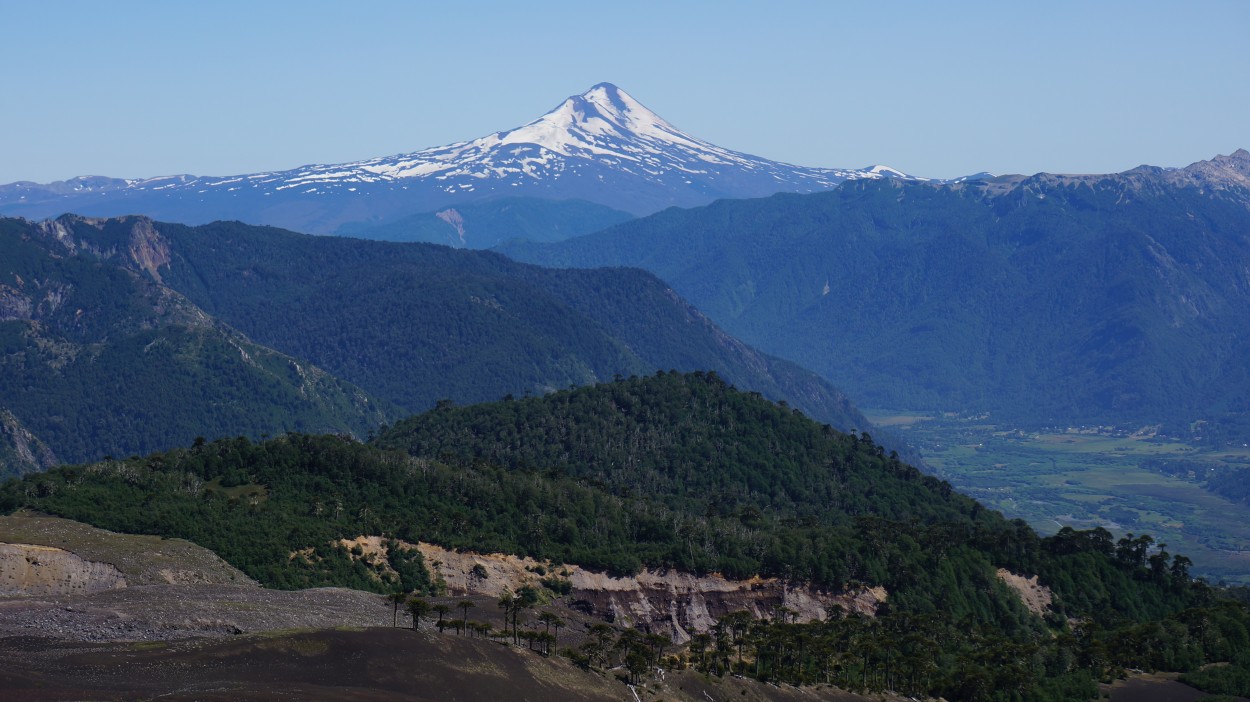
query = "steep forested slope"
x=96 y=359
x=416 y=323
x=669 y=471
x=1114 y=298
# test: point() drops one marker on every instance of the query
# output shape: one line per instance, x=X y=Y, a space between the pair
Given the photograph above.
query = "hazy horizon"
x=142 y=89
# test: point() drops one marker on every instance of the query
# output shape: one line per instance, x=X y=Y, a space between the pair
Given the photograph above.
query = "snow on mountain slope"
x=602 y=146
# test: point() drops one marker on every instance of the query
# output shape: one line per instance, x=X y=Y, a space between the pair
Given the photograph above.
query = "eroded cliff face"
x=682 y=604
x=1035 y=596
x=85 y=559
x=44 y=571
x=678 y=604
x=142 y=248
x=25 y=452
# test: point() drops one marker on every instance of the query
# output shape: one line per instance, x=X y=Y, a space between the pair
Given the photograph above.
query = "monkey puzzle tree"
x=397 y=599
x=418 y=608
x=464 y=606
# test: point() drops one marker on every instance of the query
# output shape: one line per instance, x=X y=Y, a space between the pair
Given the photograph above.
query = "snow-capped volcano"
x=602 y=146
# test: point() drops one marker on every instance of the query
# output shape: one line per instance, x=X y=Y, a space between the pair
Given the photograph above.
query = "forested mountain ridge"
x=662 y=485
x=100 y=359
x=779 y=475
x=1043 y=299
x=417 y=323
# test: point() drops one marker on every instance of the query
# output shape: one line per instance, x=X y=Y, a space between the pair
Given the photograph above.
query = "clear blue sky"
x=138 y=89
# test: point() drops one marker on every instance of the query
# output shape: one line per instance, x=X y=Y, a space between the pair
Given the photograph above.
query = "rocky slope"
x=20 y=449
x=99 y=357
x=27 y=569
x=670 y=602
x=101 y=560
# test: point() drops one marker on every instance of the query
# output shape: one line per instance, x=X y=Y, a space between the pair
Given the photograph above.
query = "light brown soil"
x=1035 y=597
x=142 y=560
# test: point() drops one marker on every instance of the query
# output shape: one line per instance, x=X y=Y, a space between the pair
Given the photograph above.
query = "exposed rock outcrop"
x=45 y=571
x=456 y=220
x=680 y=604
x=138 y=559
x=29 y=454
x=143 y=250
x=1036 y=597
x=147 y=249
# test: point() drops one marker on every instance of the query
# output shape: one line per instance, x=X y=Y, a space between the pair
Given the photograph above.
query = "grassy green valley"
x=1092 y=477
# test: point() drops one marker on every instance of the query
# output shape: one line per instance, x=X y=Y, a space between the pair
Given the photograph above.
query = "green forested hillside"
x=1099 y=299
x=683 y=471
x=416 y=323
x=672 y=470
x=115 y=344
x=97 y=360
x=693 y=442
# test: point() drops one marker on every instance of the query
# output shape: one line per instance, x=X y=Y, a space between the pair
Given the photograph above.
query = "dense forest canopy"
x=97 y=360
x=1043 y=300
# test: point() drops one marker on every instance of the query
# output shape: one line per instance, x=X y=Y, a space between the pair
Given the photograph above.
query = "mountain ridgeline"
x=125 y=336
x=601 y=146
x=416 y=323
x=97 y=359
x=1047 y=299
x=683 y=471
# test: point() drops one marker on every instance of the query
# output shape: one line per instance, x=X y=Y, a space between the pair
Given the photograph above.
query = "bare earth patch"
x=141 y=560
x=680 y=604
x=1035 y=597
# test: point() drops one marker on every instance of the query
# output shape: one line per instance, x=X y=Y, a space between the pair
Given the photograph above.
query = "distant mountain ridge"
x=411 y=324
x=98 y=357
x=1047 y=298
x=602 y=146
x=126 y=335
x=417 y=323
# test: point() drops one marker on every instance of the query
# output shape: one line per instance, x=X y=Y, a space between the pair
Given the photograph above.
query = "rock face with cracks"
x=26 y=569
x=679 y=604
